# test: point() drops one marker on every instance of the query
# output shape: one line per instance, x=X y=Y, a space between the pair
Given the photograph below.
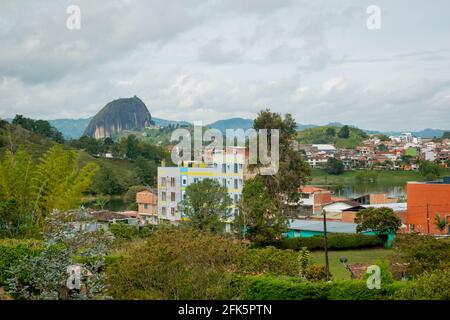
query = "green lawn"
x=354 y=256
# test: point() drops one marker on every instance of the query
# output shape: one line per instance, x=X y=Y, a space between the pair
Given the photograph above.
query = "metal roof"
x=314 y=225
x=394 y=206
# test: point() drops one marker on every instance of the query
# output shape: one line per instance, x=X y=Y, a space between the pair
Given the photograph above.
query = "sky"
x=217 y=59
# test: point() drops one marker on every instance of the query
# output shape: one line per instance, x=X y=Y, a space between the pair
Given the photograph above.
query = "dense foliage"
x=379 y=220
x=257 y=219
x=335 y=242
x=13 y=251
x=334 y=166
x=45 y=275
x=432 y=285
x=345 y=137
x=29 y=191
x=421 y=253
x=206 y=205
x=288 y=288
x=177 y=264
x=40 y=127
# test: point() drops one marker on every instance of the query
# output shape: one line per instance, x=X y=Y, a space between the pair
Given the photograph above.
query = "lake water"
x=354 y=191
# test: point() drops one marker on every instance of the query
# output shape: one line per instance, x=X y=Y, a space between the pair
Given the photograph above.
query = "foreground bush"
x=335 y=242
x=288 y=288
x=13 y=251
x=428 y=286
x=421 y=253
x=44 y=276
x=188 y=264
x=174 y=264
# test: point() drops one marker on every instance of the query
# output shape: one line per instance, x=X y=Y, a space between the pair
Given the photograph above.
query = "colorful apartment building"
x=147 y=202
x=426 y=200
x=225 y=166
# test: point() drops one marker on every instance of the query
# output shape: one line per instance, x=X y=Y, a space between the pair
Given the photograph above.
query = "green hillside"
x=15 y=137
x=333 y=135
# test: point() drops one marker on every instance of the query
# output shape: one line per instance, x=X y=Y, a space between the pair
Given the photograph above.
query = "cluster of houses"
x=229 y=167
x=375 y=152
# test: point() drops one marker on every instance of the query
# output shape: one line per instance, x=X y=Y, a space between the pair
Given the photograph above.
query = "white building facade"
x=227 y=168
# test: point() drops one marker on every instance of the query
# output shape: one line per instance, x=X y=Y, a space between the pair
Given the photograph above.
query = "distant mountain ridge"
x=74 y=128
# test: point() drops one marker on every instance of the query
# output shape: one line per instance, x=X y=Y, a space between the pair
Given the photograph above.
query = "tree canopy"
x=380 y=220
x=206 y=205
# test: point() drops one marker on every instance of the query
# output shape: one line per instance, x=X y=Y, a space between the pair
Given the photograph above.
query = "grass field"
x=354 y=256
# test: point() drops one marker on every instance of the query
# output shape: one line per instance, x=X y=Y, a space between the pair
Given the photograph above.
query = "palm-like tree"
x=440 y=222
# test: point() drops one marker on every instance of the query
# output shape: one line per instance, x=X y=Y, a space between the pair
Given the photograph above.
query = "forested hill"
x=342 y=137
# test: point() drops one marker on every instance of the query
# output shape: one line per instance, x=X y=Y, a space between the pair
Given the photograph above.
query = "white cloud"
x=196 y=60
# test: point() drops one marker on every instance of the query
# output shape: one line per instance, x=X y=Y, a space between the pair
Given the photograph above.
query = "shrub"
x=421 y=253
x=12 y=251
x=335 y=242
x=315 y=272
x=276 y=288
x=175 y=264
x=123 y=231
x=428 y=286
x=270 y=260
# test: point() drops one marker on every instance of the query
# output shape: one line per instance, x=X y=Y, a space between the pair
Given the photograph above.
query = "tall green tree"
x=344 y=133
x=107 y=183
x=429 y=169
x=293 y=170
x=334 y=166
x=331 y=132
x=41 y=127
x=30 y=191
x=379 y=220
x=146 y=171
x=258 y=219
x=206 y=205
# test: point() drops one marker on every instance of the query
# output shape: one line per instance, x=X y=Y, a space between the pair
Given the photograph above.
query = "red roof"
x=311 y=189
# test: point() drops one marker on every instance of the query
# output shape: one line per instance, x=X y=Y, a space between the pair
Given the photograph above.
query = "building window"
x=163 y=211
x=184 y=181
x=224 y=168
x=163 y=181
x=240 y=166
x=235 y=183
x=172 y=211
x=172 y=196
x=172 y=182
x=235 y=168
x=195 y=180
x=145 y=206
x=236 y=199
x=305 y=196
x=163 y=196
x=224 y=182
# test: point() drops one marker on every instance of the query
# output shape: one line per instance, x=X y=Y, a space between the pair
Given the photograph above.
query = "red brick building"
x=426 y=200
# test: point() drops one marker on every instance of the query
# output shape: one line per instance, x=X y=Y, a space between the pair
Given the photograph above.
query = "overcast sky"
x=210 y=60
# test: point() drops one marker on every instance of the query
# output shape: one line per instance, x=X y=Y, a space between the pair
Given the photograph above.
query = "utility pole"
x=325 y=245
x=428 y=218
